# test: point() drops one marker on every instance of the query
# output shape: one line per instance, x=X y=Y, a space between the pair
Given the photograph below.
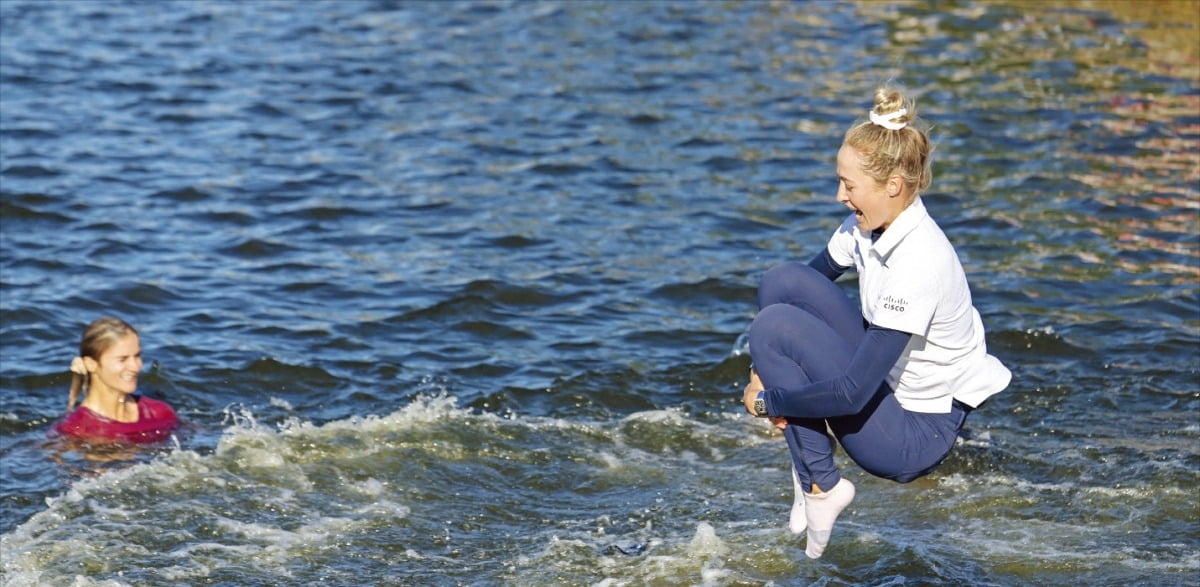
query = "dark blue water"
x=453 y=293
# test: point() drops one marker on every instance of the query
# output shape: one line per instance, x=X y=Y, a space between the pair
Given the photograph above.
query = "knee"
x=785 y=283
x=770 y=323
x=778 y=326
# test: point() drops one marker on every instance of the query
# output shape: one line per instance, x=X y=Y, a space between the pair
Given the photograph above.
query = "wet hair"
x=886 y=152
x=98 y=337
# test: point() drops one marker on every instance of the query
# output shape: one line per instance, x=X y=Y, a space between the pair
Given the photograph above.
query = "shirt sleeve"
x=826 y=266
x=842 y=245
x=848 y=393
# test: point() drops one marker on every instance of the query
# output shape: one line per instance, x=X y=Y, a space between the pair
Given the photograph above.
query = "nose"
x=841 y=194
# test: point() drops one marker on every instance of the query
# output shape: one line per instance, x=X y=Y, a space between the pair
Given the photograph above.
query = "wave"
x=306 y=492
x=434 y=493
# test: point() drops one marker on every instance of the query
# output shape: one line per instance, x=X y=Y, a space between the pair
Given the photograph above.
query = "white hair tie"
x=887 y=120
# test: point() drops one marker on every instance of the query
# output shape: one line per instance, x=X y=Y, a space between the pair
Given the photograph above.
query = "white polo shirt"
x=911 y=280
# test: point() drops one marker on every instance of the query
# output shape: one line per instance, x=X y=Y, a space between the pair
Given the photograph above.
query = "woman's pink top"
x=155 y=422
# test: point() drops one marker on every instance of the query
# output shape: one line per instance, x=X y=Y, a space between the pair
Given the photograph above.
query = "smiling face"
x=875 y=204
x=117 y=368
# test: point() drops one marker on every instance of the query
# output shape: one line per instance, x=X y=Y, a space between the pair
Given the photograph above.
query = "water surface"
x=453 y=293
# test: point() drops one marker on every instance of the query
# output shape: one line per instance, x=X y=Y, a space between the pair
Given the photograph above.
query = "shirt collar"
x=908 y=219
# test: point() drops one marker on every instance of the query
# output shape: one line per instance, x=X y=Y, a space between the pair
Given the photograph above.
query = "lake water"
x=454 y=293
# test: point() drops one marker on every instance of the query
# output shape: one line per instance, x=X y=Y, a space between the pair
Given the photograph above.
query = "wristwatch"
x=760 y=405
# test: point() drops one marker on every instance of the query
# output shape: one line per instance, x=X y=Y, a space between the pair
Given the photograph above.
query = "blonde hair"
x=886 y=152
x=98 y=337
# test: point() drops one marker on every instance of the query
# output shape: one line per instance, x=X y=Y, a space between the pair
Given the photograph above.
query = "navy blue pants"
x=806 y=330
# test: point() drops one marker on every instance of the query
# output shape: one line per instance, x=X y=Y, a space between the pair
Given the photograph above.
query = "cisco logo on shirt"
x=894 y=304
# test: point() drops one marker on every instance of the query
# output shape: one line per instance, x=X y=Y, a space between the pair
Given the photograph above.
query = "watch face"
x=760 y=407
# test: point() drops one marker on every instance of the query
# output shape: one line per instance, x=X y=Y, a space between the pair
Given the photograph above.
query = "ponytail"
x=78 y=382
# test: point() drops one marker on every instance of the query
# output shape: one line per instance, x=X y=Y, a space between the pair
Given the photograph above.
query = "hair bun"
x=891 y=121
x=892 y=110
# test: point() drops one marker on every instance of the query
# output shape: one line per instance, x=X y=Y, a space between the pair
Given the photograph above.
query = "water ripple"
x=489 y=262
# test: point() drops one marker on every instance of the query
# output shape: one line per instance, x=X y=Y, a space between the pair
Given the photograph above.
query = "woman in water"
x=110 y=358
x=894 y=379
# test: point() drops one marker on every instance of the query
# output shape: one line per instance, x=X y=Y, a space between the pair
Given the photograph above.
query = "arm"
x=848 y=393
x=825 y=265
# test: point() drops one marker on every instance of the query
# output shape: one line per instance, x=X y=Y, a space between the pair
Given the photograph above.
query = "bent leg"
x=791 y=347
x=799 y=285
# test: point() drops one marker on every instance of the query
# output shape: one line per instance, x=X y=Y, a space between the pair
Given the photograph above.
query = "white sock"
x=798 y=521
x=822 y=510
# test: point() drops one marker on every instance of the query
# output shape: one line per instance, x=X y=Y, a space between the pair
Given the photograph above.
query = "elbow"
x=852 y=400
x=862 y=397
x=848 y=403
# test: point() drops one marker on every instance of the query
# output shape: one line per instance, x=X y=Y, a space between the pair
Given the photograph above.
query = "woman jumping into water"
x=895 y=379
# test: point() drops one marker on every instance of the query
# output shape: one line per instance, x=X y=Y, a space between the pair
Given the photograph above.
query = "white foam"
x=974 y=482
x=706 y=542
x=1189 y=562
x=17 y=578
x=195 y=570
x=82 y=581
x=741 y=346
x=281 y=403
